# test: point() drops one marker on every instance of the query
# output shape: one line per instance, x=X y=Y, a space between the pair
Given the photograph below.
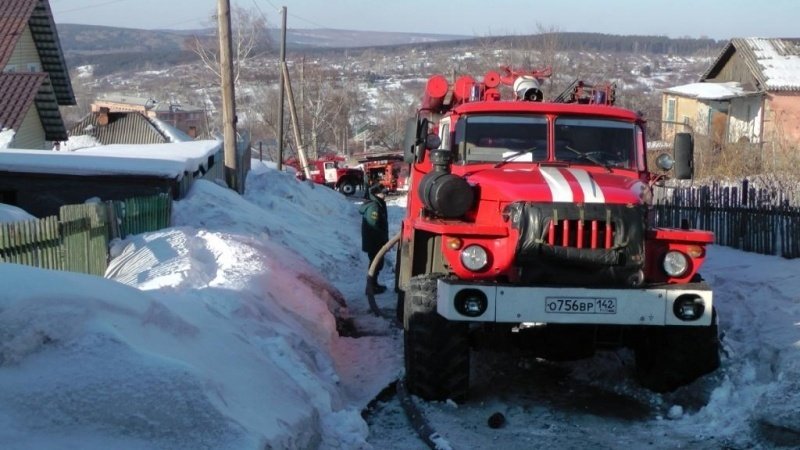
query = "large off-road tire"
x=670 y=357
x=436 y=350
x=347 y=187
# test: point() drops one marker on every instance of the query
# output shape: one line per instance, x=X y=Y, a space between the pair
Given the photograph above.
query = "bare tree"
x=389 y=129
x=328 y=103
x=250 y=41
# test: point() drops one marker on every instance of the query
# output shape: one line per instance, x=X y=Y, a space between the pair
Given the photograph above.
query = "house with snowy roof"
x=41 y=182
x=750 y=93
x=106 y=128
x=34 y=80
x=189 y=119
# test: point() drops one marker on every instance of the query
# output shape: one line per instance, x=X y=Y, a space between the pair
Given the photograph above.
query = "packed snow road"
x=752 y=401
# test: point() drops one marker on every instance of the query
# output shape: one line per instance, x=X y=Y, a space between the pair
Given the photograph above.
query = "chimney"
x=102 y=116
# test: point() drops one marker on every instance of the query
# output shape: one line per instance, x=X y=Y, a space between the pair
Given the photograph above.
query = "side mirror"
x=410 y=140
x=422 y=136
x=683 y=149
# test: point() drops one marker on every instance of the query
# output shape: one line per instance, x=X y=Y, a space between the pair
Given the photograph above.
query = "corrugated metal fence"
x=758 y=220
x=77 y=240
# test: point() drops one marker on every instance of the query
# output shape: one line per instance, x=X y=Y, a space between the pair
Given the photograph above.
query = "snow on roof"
x=6 y=136
x=779 y=60
x=161 y=160
x=79 y=142
x=172 y=133
x=9 y=213
x=711 y=91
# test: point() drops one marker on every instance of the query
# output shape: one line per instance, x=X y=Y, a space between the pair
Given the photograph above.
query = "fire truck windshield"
x=600 y=141
x=504 y=139
x=497 y=138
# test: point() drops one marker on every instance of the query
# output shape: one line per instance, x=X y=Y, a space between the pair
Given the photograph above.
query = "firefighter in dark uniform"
x=374 y=230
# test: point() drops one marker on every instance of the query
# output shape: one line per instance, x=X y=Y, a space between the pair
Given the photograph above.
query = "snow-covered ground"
x=221 y=332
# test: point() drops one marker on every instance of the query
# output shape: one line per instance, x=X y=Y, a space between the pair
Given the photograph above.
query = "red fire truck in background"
x=333 y=172
x=386 y=168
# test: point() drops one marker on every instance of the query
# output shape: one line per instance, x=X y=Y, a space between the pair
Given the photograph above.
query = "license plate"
x=580 y=305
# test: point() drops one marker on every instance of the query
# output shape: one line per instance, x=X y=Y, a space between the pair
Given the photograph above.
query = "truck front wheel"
x=347 y=187
x=436 y=350
x=670 y=357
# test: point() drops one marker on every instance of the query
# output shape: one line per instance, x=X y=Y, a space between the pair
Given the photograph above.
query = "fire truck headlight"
x=675 y=263
x=474 y=257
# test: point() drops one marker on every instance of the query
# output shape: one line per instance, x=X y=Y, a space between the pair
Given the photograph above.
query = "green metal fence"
x=77 y=240
x=34 y=243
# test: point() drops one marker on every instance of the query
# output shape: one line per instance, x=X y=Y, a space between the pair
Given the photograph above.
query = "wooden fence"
x=759 y=220
x=77 y=240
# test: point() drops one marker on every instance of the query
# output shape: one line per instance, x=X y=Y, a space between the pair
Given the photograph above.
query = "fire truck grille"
x=580 y=233
x=566 y=234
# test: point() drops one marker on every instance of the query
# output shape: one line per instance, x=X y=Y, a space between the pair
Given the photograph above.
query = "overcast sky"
x=718 y=19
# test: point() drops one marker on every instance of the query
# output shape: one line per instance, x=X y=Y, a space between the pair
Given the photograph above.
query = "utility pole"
x=298 y=138
x=281 y=93
x=228 y=94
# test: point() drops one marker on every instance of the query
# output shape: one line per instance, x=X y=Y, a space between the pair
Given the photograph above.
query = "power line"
x=302 y=19
x=270 y=4
x=311 y=22
x=88 y=6
x=263 y=16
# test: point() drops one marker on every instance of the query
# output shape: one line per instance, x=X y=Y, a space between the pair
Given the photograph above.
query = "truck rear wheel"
x=670 y=357
x=436 y=350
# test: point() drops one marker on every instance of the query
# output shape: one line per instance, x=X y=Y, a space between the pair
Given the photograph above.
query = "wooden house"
x=751 y=93
x=34 y=80
x=107 y=128
x=187 y=118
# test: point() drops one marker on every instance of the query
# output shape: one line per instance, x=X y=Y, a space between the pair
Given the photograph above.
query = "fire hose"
x=371 y=273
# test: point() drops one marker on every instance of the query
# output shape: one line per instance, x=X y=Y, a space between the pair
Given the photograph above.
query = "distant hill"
x=112 y=49
x=99 y=45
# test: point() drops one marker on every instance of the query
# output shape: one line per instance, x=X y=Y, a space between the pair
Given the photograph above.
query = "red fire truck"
x=332 y=172
x=386 y=168
x=529 y=225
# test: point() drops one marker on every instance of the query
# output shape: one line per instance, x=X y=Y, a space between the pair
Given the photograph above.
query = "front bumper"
x=651 y=306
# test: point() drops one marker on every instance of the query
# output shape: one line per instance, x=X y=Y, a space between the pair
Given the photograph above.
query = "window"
x=10 y=68
x=495 y=138
x=33 y=67
x=596 y=141
x=671 y=109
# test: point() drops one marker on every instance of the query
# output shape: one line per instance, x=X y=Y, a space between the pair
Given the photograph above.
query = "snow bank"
x=10 y=213
x=220 y=332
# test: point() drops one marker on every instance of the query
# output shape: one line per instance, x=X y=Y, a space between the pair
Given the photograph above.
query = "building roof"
x=127 y=128
x=19 y=91
x=159 y=160
x=148 y=103
x=775 y=63
x=712 y=91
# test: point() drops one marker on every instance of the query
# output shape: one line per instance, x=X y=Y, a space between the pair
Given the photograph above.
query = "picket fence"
x=77 y=239
x=753 y=219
